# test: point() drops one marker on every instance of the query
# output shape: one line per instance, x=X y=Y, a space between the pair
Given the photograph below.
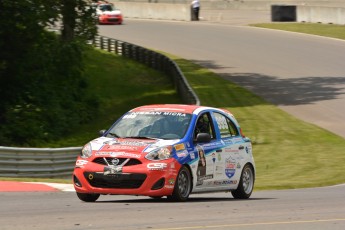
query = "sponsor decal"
x=182 y=154
x=134 y=114
x=134 y=143
x=121 y=147
x=214 y=157
x=80 y=163
x=229 y=150
x=207 y=177
x=172 y=165
x=192 y=155
x=179 y=147
x=230 y=167
x=117 y=154
x=228 y=142
x=171 y=181
x=174 y=114
x=224 y=182
x=156 y=166
x=169 y=186
x=237 y=140
x=238 y=165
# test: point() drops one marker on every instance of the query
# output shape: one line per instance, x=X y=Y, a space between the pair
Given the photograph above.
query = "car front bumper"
x=148 y=179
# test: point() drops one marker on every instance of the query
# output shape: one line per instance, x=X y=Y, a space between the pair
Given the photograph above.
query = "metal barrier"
x=38 y=162
x=59 y=162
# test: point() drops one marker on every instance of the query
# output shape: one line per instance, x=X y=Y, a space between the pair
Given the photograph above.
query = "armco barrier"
x=38 y=162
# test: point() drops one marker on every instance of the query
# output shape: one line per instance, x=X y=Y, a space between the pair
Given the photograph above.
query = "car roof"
x=177 y=108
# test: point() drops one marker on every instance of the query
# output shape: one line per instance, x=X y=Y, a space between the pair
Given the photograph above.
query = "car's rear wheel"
x=246 y=185
x=183 y=185
x=88 y=197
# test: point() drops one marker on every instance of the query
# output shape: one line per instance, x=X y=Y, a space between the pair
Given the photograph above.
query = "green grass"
x=120 y=84
x=289 y=153
x=327 y=30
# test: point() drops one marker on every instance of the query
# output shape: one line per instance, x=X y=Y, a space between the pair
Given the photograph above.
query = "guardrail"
x=153 y=60
x=59 y=162
x=38 y=162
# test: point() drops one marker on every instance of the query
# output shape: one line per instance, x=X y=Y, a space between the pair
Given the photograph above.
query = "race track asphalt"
x=302 y=74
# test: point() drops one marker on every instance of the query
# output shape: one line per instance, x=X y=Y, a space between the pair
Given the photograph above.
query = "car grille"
x=126 y=181
x=100 y=160
x=113 y=19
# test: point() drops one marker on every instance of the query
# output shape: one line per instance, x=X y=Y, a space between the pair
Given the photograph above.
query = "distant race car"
x=108 y=14
x=167 y=150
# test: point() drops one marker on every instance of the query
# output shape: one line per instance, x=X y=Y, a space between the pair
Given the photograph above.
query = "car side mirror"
x=102 y=132
x=203 y=137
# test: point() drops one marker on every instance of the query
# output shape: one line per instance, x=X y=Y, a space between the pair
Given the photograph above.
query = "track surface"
x=301 y=209
x=302 y=74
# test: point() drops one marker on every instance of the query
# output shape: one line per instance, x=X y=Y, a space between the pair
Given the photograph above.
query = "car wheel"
x=183 y=185
x=88 y=197
x=246 y=185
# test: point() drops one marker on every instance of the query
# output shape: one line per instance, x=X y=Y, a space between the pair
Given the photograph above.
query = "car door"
x=205 y=152
x=228 y=163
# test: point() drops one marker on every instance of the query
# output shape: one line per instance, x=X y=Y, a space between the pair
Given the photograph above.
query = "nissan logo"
x=115 y=161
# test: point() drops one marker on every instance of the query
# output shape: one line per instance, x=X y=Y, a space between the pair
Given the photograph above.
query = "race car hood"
x=120 y=146
x=114 y=12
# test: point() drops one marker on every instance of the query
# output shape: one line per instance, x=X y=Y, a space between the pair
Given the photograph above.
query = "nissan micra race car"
x=108 y=14
x=167 y=150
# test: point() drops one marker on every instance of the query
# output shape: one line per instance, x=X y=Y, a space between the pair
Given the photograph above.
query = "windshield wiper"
x=142 y=137
x=114 y=135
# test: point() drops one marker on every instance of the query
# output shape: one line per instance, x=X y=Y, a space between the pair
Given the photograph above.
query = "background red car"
x=108 y=14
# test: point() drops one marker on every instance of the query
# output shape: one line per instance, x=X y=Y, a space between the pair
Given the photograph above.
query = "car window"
x=204 y=125
x=226 y=127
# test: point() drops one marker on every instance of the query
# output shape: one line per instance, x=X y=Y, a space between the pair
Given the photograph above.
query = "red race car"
x=108 y=14
x=167 y=150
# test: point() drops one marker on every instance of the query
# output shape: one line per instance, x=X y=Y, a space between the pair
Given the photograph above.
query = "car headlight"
x=86 y=152
x=160 y=154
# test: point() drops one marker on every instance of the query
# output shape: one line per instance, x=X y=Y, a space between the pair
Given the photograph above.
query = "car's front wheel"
x=183 y=185
x=246 y=185
x=88 y=197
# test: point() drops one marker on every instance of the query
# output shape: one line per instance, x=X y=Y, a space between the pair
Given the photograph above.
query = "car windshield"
x=152 y=124
x=106 y=8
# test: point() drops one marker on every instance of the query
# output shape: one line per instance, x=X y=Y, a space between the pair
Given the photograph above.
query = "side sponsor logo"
x=81 y=163
x=180 y=147
x=156 y=166
x=230 y=167
x=116 y=154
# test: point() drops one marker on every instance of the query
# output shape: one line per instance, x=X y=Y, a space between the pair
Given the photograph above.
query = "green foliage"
x=41 y=75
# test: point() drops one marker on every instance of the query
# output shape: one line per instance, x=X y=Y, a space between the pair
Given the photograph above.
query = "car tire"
x=183 y=185
x=88 y=197
x=246 y=185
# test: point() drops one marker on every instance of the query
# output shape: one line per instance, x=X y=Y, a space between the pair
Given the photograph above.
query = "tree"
x=41 y=72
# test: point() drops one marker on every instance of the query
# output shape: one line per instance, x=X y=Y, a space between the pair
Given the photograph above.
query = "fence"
x=59 y=162
x=37 y=162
